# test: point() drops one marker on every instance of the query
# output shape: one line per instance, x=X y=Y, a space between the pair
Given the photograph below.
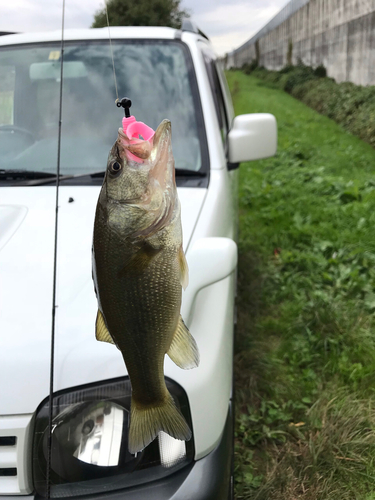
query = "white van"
x=170 y=74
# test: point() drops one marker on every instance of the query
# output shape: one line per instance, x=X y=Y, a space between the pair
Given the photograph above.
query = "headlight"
x=90 y=442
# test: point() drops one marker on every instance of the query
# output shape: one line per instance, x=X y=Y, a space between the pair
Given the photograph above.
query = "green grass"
x=305 y=346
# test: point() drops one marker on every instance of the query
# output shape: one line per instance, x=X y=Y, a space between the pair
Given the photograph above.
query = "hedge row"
x=353 y=106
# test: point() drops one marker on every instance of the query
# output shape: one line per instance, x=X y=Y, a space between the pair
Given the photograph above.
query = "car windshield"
x=156 y=75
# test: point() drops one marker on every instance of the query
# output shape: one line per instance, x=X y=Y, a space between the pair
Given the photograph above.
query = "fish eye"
x=115 y=167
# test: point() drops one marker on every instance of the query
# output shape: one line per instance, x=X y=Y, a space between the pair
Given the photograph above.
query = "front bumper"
x=206 y=479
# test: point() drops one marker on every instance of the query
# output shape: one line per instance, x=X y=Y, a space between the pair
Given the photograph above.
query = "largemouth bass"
x=139 y=269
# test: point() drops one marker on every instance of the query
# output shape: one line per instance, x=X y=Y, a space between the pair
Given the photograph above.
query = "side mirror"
x=252 y=137
x=209 y=260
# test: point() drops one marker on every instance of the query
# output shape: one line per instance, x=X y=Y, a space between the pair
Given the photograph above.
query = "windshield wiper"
x=10 y=174
x=52 y=178
x=48 y=178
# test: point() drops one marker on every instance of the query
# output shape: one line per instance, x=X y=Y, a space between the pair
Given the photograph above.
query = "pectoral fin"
x=102 y=332
x=184 y=350
x=184 y=270
x=140 y=260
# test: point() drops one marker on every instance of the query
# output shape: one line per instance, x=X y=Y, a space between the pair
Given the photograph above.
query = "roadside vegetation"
x=140 y=13
x=350 y=105
x=305 y=346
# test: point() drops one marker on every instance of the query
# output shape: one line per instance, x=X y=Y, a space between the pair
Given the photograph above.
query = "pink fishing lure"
x=134 y=131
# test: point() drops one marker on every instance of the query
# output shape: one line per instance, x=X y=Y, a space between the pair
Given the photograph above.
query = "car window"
x=217 y=95
x=226 y=93
x=158 y=76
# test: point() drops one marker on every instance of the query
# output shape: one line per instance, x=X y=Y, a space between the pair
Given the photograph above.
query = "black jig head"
x=125 y=103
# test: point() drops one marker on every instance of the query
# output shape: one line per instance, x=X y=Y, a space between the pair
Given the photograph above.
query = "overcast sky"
x=228 y=23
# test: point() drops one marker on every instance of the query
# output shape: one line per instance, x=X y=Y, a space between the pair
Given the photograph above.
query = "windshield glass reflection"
x=154 y=75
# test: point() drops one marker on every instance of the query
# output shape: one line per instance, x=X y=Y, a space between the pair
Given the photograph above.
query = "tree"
x=141 y=13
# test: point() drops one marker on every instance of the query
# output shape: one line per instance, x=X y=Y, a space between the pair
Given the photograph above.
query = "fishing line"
x=54 y=306
x=110 y=43
x=52 y=363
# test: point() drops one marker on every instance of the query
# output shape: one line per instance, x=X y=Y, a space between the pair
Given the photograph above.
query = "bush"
x=288 y=77
x=363 y=123
x=248 y=68
x=301 y=74
x=350 y=105
x=320 y=71
x=320 y=95
x=286 y=69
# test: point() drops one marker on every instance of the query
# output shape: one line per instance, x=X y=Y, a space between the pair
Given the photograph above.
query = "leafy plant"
x=350 y=105
x=305 y=346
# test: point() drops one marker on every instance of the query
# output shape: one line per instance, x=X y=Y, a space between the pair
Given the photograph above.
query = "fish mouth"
x=161 y=139
x=154 y=155
x=134 y=149
x=161 y=157
x=138 y=151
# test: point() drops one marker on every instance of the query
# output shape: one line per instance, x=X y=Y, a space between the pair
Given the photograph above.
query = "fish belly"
x=141 y=307
x=140 y=298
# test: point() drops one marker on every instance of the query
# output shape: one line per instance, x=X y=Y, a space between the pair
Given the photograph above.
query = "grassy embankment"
x=305 y=349
x=350 y=105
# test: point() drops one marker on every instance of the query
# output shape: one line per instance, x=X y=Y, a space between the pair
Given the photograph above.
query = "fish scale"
x=138 y=269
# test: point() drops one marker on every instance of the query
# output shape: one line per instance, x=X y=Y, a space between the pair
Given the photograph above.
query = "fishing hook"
x=125 y=103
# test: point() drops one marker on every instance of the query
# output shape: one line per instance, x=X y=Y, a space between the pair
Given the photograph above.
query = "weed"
x=305 y=349
x=350 y=105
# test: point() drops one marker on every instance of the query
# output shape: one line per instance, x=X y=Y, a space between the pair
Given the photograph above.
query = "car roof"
x=117 y=32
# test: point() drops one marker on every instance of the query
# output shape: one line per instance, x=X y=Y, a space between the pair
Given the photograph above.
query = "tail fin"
x=147 y=422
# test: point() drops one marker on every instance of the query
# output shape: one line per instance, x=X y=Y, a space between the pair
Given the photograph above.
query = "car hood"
x=27 y=218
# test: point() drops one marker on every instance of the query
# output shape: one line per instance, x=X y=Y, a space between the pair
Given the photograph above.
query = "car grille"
x=15 y=455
